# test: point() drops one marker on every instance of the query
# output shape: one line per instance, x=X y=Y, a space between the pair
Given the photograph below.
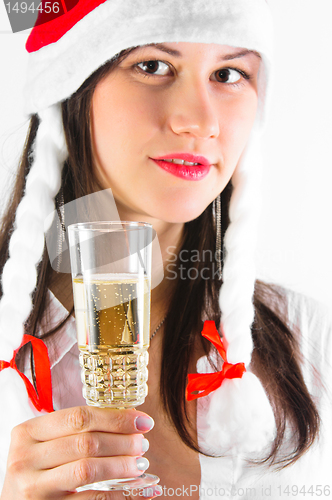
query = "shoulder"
x=291 y=305
x=310 y=322
x=305 y=316
x=308 y=314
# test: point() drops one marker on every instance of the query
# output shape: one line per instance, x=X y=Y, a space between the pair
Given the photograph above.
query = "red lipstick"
x=200 y=168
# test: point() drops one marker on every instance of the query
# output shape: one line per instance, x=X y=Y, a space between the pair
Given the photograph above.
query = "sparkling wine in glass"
x=111 y=272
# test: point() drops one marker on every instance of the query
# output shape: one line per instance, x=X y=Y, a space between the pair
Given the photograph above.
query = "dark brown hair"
x=276 y=359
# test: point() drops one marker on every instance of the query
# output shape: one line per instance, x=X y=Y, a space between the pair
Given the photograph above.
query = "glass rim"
x=107 y=225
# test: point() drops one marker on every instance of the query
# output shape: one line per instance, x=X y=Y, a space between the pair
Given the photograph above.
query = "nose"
x=193 y=111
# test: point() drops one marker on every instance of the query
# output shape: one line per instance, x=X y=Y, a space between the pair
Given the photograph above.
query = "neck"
x=170 y=239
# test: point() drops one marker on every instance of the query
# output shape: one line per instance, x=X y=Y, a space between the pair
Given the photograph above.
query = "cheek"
x=246 y=116
x=108 y=124
x=120 y=120
x=236 y=126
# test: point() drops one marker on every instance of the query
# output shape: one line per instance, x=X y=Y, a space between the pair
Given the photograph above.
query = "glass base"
x=140 y=482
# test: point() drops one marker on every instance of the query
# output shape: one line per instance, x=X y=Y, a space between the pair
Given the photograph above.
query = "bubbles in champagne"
x=113 y=324
x=112 y=311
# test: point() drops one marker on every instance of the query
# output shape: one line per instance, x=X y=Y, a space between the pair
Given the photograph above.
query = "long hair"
x=275 y=358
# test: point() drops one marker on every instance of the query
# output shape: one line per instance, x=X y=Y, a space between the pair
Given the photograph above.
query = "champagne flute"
x=111 y=273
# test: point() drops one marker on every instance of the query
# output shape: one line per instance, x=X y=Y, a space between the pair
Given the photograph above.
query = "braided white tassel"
x=19 y=275
x=239 y=414
x=27 y=242
x=236 y=294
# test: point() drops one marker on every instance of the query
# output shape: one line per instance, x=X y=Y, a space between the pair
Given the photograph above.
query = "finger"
x=51 y=454
x=70 y=476
x=86 y=419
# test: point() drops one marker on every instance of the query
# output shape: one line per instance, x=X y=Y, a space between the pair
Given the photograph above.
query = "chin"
x=180 y=212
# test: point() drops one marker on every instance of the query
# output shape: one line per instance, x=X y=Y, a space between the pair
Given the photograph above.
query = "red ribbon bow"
x=42 y=398
x=204 y=383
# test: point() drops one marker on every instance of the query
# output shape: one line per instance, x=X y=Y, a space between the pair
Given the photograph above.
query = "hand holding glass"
x=111 y=271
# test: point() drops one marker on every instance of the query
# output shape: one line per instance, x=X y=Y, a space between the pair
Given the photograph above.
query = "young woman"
x=163 y=102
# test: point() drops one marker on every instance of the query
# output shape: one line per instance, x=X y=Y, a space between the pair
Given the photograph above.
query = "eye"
x=154 y=67
x=228 y=75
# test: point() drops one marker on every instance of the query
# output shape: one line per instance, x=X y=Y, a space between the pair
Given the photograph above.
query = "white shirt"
x=231 y=476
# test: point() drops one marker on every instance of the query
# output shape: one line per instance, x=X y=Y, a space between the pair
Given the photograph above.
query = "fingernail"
x=152 y=491
x=143 y=423
x=145 y=445
x=142 y=463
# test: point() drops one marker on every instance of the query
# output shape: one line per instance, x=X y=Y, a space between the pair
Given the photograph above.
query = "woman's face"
x=178 y=102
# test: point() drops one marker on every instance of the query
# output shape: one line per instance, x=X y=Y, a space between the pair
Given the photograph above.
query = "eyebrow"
x=242 y=53
x=226 y=57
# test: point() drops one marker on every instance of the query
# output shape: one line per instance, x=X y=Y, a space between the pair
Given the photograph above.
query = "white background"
x=295 y=243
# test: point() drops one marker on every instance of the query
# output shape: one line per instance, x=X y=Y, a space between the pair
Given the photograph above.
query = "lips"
x=184 y=165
